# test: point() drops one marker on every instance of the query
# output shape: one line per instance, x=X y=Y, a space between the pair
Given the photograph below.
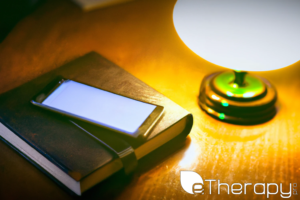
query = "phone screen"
x=99 y=106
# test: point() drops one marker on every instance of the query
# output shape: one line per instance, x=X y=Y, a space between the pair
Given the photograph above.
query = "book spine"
x=66 y=189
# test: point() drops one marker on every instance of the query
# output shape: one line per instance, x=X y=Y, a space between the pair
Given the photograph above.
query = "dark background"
x=12 y=11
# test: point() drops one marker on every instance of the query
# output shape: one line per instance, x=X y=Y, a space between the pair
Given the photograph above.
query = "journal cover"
x=59 y=140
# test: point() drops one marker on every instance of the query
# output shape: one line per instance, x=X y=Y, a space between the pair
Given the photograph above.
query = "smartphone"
x=119 y=113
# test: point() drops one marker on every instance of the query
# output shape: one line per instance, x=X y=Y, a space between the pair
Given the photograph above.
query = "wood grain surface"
x=140 y=37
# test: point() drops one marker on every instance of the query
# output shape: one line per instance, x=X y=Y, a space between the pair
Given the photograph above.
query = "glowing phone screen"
x=99 y=106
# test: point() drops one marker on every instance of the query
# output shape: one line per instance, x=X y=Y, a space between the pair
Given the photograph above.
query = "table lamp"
x=243 y=36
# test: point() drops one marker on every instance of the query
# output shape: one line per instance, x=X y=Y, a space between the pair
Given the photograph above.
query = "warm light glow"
x=215 y=97
x=188 y=160
x=210 y=110
x=241 y=35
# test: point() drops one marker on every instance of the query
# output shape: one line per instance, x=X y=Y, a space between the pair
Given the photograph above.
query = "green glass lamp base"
x=251 y=101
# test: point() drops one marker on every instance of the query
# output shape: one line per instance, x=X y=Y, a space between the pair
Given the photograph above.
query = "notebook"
x=76 y=154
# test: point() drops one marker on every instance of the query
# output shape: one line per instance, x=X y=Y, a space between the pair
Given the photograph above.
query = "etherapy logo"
x=193 y=183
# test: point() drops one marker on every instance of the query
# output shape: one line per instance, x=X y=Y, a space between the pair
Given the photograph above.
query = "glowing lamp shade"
x=243 y=36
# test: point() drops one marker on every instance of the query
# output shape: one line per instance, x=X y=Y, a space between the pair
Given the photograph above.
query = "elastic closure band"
x=124 y=151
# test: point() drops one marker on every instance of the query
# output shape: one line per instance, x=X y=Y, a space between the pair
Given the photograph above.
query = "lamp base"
x=247 y=104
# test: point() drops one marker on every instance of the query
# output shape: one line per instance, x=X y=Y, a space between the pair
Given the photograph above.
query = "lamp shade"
x=241 y=35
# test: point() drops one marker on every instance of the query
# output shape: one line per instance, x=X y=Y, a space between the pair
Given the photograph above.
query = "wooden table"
x=140 y=37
